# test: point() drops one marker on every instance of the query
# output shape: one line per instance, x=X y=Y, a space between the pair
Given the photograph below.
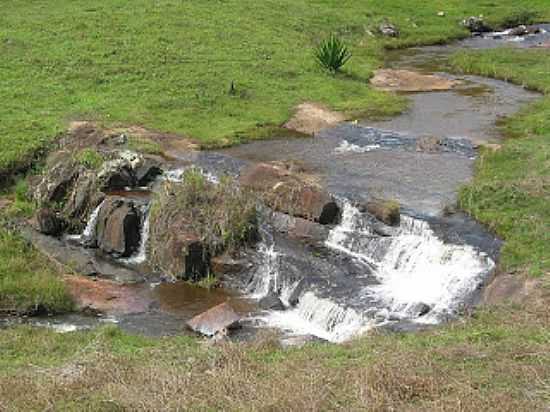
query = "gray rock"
x=271 y=302
x=389 y=30
x=476 y=25
x=419 y=309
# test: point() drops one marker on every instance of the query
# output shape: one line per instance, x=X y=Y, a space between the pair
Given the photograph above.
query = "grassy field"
x=511 y=190
x=169 y=64
x=495 y=362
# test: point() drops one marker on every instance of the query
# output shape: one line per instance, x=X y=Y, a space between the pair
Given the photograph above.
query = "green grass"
x=28 y=282
x=511 y=189
x=169 y=64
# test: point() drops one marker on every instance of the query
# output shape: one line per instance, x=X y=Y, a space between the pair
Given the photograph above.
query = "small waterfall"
x=266 y=279
x=320 y=317
x=88 y=233
x=419 y=268
x=141 y=255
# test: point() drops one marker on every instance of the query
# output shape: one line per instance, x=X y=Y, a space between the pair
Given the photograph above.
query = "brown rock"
x=408 y=81
x=118 y=227
x=296 y=194
x=49 y=222
x=216 y=320
x=310 y=118
x=387 y=211
x=225 y=264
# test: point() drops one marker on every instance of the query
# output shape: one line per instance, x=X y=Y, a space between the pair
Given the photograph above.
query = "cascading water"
x=141 y=255
x=89 y=231
x=408 y=270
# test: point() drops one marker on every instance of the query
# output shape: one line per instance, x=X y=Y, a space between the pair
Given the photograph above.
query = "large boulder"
x=292 y=192
x=387 y=211
x=217 y=320
x=57 y=181
x=118 y=227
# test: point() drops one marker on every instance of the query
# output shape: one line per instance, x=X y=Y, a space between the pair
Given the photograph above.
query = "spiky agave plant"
x=332 y=54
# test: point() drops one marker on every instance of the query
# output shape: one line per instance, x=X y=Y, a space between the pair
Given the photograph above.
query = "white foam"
x=347 y=147
x=89 y=231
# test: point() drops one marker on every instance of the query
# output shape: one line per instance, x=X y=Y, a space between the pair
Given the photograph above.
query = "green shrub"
x=332 y=54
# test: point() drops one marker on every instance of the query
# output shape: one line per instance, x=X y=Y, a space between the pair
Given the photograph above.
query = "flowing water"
x=425 y=271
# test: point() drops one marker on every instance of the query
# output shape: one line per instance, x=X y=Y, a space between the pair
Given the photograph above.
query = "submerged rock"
x=118 y=227
x=217 y=320
x=293 y=193
x=409 y=81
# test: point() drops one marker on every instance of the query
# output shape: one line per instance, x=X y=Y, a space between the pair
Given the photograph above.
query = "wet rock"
x=82 y=199
x=296 y=194
x=311 y=118
x=217 y=320
x=271 y=302
x=49 y=222
x=389 y=30
x=419 y=309
x=409 y=81
x=476 y=25
x=227 y=265
x=387 y=211
x=429 y=144
x=521 y=30
x=147 y=172
x=118 y=227
x=298 y=228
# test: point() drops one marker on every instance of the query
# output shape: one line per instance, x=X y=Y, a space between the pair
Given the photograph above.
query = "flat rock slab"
x=311 y=118
x=106 y=296
x=409 y=81
x=214 y=321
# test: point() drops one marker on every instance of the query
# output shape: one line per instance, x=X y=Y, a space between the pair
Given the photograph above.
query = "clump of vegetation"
x=520 y=17
x=28 y=282
x=332 y=54
x=89 y=158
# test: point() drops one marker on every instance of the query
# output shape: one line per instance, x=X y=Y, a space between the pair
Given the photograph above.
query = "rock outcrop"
x=311 y=118
x=118 y=227
x=476 y=24
x=292 y=192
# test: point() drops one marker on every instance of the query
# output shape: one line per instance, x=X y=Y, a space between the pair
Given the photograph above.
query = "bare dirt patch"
x=311 y=118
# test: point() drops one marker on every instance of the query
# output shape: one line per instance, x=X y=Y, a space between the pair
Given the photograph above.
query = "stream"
x=427 y=270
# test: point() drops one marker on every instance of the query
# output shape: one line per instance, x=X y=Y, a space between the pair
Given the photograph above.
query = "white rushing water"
x=413 y=268
x=346 y=147
x=176 y=175
x=141 y=255
x=89 y=231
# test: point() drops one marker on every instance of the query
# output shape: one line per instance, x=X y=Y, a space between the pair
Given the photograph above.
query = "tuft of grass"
x=89 y=158
x=511 y=189
x=28 y=282
x=332 y=54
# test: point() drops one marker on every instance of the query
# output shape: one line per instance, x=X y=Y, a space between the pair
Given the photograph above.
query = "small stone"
x=441 y=14
x=389 y=30
x=476 y=24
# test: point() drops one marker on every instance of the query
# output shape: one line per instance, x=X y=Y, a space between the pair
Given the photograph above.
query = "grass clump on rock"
x=194 y=220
